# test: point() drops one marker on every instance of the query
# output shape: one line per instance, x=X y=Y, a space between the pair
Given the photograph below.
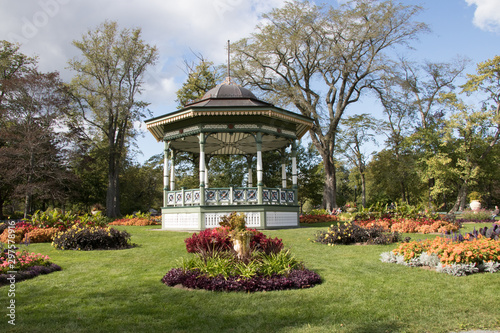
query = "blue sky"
x=46 y=28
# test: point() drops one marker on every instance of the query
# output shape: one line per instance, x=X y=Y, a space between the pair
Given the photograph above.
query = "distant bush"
x=481 y=215
x=318 y=212
x=94 y=238
x=55 y=218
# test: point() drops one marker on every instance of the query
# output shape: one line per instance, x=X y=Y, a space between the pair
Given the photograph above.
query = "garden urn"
x=475 y=205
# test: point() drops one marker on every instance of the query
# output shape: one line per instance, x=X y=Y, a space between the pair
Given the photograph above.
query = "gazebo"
x=229 y=120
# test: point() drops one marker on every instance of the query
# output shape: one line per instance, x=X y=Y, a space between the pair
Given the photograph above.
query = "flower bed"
x=472 y=255
x=26 y=233
x=350 y=233
x=422 y=225
x=63 y=221
x=137 y=221
x=318 y=218
x=16 y=265
x=234 y=258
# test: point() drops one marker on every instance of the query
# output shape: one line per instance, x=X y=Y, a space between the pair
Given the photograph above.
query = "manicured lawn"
x=120 y=291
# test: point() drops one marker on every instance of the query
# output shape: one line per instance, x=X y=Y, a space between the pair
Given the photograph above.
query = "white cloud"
x=487 y=14
x=46 y=28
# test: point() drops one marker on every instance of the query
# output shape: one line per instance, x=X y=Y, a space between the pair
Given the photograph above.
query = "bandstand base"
x=196 y=218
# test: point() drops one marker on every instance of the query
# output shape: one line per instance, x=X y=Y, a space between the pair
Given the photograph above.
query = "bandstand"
x=229 y=120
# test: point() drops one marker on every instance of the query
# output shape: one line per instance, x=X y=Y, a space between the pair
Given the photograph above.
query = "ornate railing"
x=231 y=196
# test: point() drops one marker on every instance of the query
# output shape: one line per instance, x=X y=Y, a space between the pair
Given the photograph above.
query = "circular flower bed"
x=234 y=258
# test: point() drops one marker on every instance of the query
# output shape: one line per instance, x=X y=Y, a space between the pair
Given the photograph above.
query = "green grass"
x=120 y=291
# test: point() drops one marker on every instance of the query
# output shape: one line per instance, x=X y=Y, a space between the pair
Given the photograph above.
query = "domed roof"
x=229 y=89
x=228 y=94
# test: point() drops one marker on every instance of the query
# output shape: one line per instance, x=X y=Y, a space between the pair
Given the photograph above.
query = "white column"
x=283 y=170
x=294 y=164
x=206 y=172
x=250 y=171
x=202 y=160
x=259 y=168
x=172 y=170
x=202 y=173
x=165 y=167
x=165 y=174
x=202 y=168
x=260 y=185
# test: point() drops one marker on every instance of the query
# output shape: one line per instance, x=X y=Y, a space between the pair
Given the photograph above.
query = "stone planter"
x=475 y=205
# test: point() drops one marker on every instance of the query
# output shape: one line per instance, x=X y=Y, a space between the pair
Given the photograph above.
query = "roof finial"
x=228 y=60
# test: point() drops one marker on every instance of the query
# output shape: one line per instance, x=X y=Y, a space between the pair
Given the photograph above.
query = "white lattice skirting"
x=212 y=220
x=188 y=221
x=281 y=219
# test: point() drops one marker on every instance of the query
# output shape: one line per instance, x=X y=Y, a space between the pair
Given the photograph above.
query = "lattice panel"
x=281 y=219
x=186 y=221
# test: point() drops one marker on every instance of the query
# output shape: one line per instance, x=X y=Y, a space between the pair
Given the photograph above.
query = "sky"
x=47 y=28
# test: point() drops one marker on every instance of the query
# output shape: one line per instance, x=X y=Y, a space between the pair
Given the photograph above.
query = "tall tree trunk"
x=112 y=195
x=403 y=191
x=1 y=208
x=27 y=205
x=363 y=190
x=461 y=199
x=330 y=188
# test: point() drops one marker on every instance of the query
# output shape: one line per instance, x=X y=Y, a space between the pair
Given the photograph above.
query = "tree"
x=201 y=78
x=310 y=176
x=400 y=113
x=13 y=64
x=320 y=61
x=357 y=131
x=142 y=185
x=105 y=89
x=411 y=93
x=32 y=153
x=478 y=130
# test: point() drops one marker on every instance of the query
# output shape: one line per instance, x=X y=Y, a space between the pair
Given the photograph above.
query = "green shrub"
x=318 y=212
x=94 y=238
